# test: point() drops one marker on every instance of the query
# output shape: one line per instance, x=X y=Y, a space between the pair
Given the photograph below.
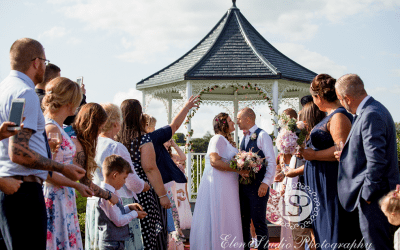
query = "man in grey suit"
x=368 y=166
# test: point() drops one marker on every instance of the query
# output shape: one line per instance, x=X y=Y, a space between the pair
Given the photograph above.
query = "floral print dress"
x=62 y=217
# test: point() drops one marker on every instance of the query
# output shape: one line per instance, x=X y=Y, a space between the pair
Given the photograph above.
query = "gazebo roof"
x=233 y=49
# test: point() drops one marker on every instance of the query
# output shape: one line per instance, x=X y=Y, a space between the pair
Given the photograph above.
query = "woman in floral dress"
x=62 y=98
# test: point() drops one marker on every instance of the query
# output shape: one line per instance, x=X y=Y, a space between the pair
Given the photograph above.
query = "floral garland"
x=189 y=144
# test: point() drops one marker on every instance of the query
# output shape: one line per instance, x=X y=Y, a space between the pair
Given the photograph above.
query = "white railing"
x=194 y=173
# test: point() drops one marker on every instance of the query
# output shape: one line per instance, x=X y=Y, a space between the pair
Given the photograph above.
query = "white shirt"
x=19 y=85
x=264 y=143
x=106 y=147
x=362 y=103
x=113 y=212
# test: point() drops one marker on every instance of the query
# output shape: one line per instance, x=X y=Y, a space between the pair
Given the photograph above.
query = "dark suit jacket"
x=368 y=165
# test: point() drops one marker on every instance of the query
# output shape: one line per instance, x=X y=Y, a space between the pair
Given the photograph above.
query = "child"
x=113 y=220
x=390 y=205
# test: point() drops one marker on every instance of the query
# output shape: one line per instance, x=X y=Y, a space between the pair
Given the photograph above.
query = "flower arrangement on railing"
x=189 y=144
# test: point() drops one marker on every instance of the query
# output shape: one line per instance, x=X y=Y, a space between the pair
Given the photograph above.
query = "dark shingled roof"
x=233 y=49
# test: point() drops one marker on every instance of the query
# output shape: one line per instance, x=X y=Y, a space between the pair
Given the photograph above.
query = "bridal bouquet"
x=291 y=136
x=247 y=161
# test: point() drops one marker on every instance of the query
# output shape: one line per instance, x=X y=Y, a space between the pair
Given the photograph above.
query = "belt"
x=29 y=178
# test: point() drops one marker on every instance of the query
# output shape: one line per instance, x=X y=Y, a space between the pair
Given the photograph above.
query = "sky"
x=115 y=44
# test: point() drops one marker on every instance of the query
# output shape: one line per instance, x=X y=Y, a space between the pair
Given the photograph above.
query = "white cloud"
x=53 y=33
x=131 y=94
x=74 y=41
x=153 y=28
x=311 y=60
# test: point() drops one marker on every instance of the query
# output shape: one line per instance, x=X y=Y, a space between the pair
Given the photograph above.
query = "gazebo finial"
x=234 y=3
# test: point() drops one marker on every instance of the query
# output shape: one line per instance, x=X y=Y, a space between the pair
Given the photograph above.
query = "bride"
x=216 y=220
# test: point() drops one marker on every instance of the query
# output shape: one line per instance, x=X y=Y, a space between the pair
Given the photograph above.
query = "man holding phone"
x=23 y=219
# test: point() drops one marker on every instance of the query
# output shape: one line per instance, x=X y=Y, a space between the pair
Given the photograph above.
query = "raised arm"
x=21 y=154
x=178 y=120
x=181 y=155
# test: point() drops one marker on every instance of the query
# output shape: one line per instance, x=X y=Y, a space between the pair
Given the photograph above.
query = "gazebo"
x=229 y=59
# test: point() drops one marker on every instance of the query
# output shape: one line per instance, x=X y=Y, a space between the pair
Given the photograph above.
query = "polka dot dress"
x=151 y=224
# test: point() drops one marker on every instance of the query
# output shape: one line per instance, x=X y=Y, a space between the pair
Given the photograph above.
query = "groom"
x=368 y=163
x=254 y=196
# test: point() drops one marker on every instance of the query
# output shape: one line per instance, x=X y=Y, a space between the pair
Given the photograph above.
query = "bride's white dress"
x=216 y=220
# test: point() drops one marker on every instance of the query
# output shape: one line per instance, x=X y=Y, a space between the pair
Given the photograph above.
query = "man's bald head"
x=23 y=51
x=248 y=113
x=246 y=119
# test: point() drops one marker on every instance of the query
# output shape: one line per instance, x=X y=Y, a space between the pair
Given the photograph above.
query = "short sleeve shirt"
x=168 y=169
x=19 y=85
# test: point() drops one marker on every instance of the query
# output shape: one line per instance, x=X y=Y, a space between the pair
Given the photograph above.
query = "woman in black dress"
x=140 y=146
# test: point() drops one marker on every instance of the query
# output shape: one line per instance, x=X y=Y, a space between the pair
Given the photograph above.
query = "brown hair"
x=116 y=163
x=291 y=113
x=50 y=73
x=59 y=92
x=323 y=85
x=114 y=115
x=311 y=115
x=221 y=126
x=132 y=125
x=23 y=52
x=87 y=127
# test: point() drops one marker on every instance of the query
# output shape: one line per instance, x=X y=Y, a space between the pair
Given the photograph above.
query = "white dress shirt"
x=264 y=143
x=113 y=212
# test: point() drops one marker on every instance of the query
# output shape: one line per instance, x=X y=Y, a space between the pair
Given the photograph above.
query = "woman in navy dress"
x=333 y=225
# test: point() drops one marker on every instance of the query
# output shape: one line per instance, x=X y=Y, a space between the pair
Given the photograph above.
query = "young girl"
x=390 y=205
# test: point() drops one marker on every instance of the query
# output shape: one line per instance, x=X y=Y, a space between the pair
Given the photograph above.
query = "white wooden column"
x=169 y=108
x=144 y=101
x=275 y=102
x=188 y=155
x=235 y=112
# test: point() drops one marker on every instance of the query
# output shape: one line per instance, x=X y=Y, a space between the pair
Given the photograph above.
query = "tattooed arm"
x=80 y=160
x=21 y=154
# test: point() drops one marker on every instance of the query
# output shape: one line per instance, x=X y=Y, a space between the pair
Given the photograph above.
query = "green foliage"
x=179 y=138
x=200 y=145
x=81 y=207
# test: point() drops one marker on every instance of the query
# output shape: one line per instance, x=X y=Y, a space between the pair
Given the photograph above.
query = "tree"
x=200 y=145
x=179 y=138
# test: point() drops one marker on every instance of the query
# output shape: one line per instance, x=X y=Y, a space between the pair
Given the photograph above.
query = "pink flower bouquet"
x=286 y=142
x=247 y=161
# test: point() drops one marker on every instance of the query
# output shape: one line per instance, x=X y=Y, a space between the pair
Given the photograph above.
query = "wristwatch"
x=109 y=196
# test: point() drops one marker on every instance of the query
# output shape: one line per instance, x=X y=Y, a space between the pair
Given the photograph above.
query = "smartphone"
x=79 y=81
x=16 y=113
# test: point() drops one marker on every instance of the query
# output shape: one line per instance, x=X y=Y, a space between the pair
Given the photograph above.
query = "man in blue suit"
x=368 y=166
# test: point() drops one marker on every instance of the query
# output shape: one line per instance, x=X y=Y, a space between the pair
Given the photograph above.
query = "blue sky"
x=115 y=44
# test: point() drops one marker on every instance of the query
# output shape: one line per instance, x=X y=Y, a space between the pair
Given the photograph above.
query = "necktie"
x=246 y=132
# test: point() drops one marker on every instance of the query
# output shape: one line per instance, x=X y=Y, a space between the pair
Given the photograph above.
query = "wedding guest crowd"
x=137 y=188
